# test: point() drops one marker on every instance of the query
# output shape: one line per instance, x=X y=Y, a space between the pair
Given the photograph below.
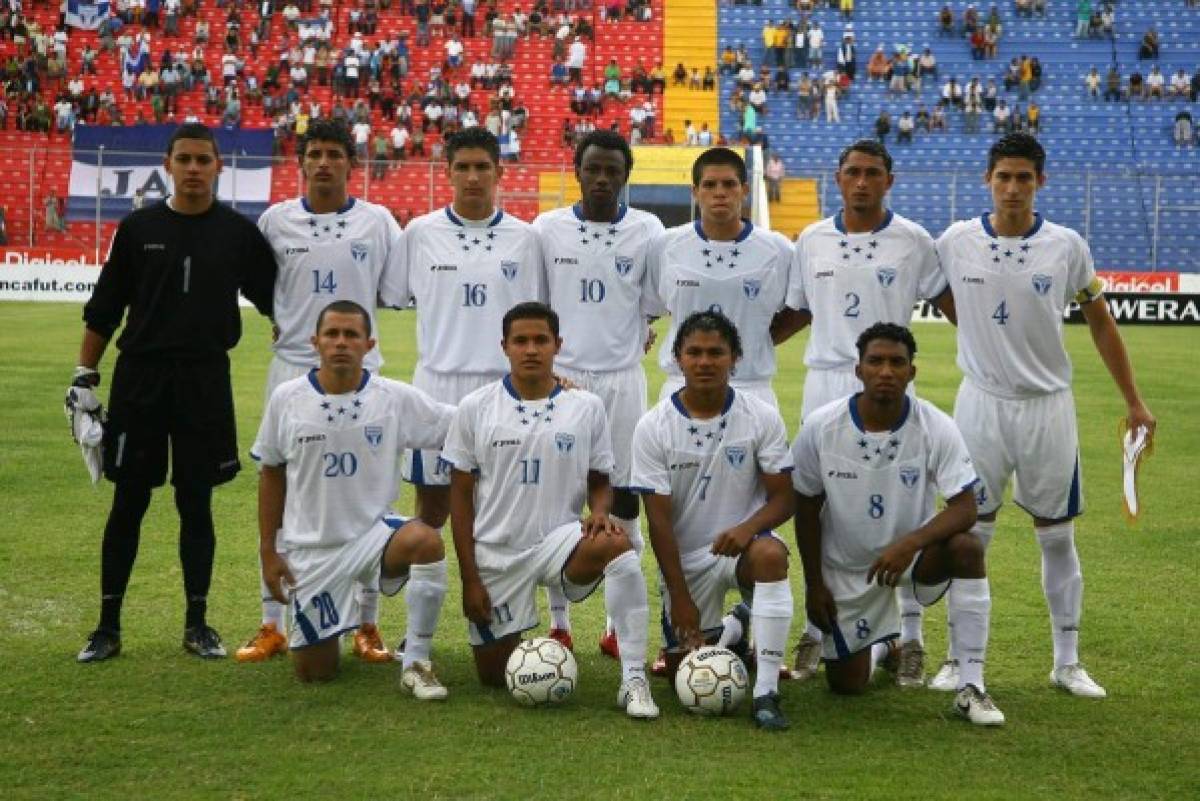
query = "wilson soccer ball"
x=541 y=671
x=711 y=681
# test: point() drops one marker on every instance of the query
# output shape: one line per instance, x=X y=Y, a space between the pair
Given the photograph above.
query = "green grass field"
x=158 y=723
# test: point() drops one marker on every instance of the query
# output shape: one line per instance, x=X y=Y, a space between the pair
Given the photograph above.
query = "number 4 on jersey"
x=1000 y=315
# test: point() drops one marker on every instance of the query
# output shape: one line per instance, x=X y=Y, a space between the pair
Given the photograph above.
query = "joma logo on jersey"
x=509 y=269
x=909 y=476
x=735 y=455
x=307 y=438
x=1042 y=283
x=842 y=474
x=752 y=286
x=886 y=276
x=374 y=435
x=153 y=246
x=504 y=443
x=683 y=466
x=564 y=442
x=824 y=274
x=443 y=268
x=686 y=282
x=359 y=251
x=623 y=264
x=971 y=279
x=565 y=260
x=294 y=251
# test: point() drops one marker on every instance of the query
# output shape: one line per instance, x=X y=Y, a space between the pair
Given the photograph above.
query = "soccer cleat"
x=634 y=697
x=974 y=705
x=910 y=672
x=659 y=668
x=418 y=680
x=268 y=642
x=608 y=645
x=398 y=654
x=563 y=636
x=946 y=679
x=102 y=644
x=1075 y=680
x=808 y=658
x=767 y=714
x=368 y=645
x=204 y=642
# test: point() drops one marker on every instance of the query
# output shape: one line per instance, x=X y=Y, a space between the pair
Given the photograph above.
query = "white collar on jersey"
x=747 y=229
x=1033 y=229
x=312 y=379
x=840 y=224
x=577 y=209
x=349 y=205
x=465 y=223
x=858 y=423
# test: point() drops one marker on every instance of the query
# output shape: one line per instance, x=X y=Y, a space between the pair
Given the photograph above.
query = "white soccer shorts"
x=512 y=579
x=624 y=396
x=867 y=613
x=1035 y=438
x=281 y=371
x=759 y=389
x=427 y=468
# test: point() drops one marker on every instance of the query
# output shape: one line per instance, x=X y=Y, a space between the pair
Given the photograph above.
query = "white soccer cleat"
x=1075 y=680
x=911 y=669
x=634 y=697
x=808 y=658
x=946 y=679
x=974 y=705
x=419 y=680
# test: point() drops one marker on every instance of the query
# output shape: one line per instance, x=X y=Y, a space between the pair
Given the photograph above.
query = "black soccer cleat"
x=767 y=714
x=204 y=642
x=102 y=644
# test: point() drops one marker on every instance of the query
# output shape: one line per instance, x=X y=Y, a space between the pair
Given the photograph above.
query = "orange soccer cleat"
x=267 y=643
x=368 y=645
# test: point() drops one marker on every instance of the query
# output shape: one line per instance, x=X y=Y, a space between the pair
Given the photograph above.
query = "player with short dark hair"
x=329 y=245
x=330 y=444
x=868 y=470
x=594 y=260
x=526 y=455
x=712 y=465
x=173 y=272
x=1013 y=274
x=860 y=266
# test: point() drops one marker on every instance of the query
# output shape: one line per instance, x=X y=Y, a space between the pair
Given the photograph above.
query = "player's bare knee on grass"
x=593 y=554
x=766 y=559
x=316 y=663
x=490 y=660
x=433 y=505
x=966 y=555
x=414 y=544
x=849 y=676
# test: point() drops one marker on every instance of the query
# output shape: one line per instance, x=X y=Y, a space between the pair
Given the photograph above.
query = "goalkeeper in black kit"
x=174 y=272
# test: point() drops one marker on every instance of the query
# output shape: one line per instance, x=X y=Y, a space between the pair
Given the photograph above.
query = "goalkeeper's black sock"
x=197 y=546
x=119 y=550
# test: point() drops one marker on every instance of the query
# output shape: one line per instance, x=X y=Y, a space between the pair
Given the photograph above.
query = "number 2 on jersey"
x=852 y=301
x=323 y=282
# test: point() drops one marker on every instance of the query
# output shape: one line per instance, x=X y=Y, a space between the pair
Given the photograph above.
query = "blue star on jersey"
x=876 y=450
x=860 y=255
x=319 y=228
x=719 y=256
x=708 y=436
x=596 y=235
x=477 y=241
x=534 y=412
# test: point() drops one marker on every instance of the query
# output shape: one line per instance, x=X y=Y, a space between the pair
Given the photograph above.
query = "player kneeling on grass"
x=868 y=468
x=712 y=464
x=525 y=456
x=330 y=446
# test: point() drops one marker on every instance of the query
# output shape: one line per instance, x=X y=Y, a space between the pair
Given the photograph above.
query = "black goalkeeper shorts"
x=186 y=404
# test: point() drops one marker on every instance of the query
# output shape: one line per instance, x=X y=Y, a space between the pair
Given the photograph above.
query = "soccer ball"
x=541 y=671
x=711 y=681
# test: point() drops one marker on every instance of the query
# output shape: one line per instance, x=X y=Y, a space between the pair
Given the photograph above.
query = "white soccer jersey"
x=353 y=254
x=464 y=277
x=595 y=276
x=531 y=460
x=710 y=468
x=1010 y=294
x=342 y=453
x=878 y=486
x=849 y=282
x=745 y=279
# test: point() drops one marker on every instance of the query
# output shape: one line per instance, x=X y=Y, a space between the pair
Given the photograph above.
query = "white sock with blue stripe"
x=424 y=594
x=1062 y=583
x=626 y=603
x=771 y=617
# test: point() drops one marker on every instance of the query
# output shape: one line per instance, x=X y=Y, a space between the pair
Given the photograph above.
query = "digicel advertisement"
x=63 y=274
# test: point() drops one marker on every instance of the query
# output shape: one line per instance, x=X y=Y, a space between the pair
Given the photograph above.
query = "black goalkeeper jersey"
x=179 y=276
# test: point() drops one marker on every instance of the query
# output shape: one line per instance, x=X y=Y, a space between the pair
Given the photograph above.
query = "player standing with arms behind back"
x=177 y=267
x=594 y=255
x=1013 y=275
x=864 y=265
x=329 y=246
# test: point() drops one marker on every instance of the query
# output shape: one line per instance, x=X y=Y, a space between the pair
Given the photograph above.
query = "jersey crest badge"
x=909 y=476
x=735 y=455
x=509 y=269
x=358 y=250
x=1042 y=283
x=374 y=435
x=886 y=276
x=623 y=264
x=752 y=286
x=564 y=442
